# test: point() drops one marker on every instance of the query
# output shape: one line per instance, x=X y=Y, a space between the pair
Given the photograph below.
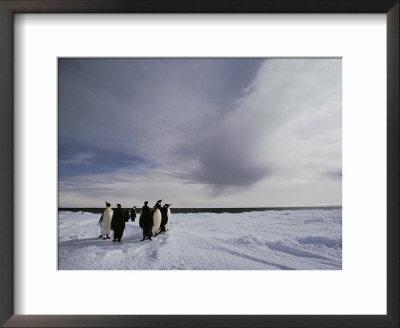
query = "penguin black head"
x=146 y=202
x=133 y=206
x=119 y=205
x=168 y=205
x=108 y=204
x=159 y=201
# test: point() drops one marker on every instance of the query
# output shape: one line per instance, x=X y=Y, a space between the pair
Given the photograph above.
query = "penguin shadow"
x=134 y=239
x=86 y=242
x=99 y=242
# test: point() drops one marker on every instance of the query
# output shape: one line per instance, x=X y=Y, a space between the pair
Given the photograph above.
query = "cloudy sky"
x=200 y=132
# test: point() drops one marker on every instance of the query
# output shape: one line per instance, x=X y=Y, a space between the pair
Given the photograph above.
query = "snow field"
x=267 y=240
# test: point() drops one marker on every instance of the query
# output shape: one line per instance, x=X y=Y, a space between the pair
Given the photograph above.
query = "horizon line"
x=240 y=207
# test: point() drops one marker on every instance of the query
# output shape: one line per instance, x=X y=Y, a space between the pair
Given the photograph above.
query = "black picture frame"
x=10 y=7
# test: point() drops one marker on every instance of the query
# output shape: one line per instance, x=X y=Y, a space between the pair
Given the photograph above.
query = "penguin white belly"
x=106 y=222
x=169 y=218
x=156 y=221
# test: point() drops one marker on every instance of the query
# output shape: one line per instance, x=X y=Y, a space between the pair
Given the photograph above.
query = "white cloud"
x=81 y=158
x=278 y=145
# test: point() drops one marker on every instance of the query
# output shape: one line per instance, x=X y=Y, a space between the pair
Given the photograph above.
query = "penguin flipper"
x=101 y=218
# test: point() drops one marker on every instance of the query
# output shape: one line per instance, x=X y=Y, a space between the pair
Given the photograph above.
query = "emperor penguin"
x=146 y=221
x=105 y=222
x=156 y=218
x=168 y=217
x=133 y=213
x=166 y=214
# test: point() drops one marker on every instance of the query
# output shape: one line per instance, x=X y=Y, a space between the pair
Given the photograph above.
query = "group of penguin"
x=152 y=221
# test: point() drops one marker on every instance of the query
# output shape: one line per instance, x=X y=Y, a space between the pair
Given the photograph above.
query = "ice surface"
x=258 y=240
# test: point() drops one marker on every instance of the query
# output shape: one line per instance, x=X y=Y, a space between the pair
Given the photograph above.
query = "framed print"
x=253 y=116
